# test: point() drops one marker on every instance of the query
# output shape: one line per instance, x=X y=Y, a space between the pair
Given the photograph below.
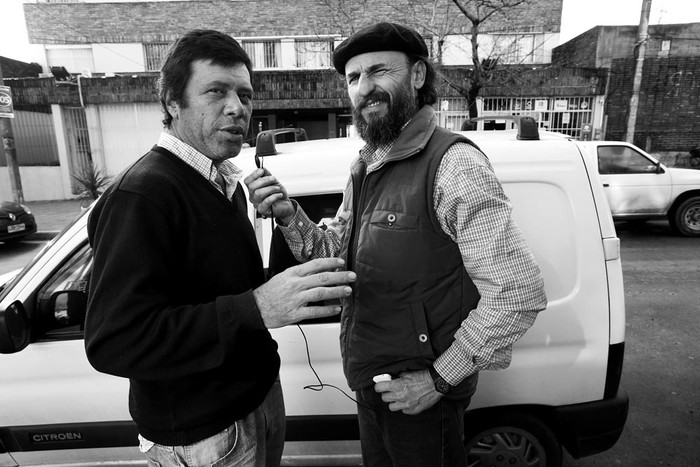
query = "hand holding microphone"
x=265 y=191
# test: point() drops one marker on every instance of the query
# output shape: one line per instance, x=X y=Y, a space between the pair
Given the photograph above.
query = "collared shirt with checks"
x=203 y=165
x=476 y=214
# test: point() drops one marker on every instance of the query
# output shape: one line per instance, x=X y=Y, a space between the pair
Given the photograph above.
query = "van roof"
x=351 y=143
x=314 y=166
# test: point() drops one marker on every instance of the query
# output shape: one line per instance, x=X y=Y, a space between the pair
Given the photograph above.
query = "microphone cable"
x=319 y=387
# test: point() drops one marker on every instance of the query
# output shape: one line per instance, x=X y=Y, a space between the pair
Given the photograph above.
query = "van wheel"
x=510 y=440
x=686 y=218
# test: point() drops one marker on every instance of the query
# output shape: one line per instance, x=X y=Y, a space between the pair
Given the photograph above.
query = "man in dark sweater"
x=177 y=302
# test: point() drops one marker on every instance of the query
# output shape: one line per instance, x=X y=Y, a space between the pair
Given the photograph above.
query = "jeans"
x=254 y=441
x=432 y=438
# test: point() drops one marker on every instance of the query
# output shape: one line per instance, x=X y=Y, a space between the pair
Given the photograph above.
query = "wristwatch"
x=441 y=386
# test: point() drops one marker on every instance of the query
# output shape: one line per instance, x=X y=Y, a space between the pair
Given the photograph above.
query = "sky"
x=577 y=16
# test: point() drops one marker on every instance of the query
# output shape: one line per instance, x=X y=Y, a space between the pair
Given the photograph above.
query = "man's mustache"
x=376 y=96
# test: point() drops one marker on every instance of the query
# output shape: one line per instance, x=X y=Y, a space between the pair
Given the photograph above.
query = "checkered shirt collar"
x=202 y=164
x=374 y=155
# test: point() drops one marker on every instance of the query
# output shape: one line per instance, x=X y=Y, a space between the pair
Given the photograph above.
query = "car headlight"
x=26 y=209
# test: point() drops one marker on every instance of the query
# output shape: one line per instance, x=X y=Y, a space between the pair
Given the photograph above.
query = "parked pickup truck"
x=561 y=391
x=639 y=187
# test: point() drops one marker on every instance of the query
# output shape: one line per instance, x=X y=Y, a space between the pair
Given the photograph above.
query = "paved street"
x=51 y=217
x=662 y=350
x=16 y=255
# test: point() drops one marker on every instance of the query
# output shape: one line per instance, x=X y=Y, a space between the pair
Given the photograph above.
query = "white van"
x=561 y=390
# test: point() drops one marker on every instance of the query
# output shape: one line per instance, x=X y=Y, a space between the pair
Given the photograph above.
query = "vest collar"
x=412 y=139
x=415 y=136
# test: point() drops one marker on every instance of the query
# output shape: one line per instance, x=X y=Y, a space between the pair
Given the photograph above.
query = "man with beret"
x=445 y=282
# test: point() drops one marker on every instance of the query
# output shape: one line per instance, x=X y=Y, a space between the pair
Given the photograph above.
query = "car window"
x=320 y=209
x=623 y=160
x=62 y=316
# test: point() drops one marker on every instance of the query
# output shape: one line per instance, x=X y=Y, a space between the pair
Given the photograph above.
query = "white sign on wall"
x=541 y=104
x=561 y=105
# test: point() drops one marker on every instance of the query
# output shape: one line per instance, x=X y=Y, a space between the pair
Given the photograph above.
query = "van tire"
x=686 y=217
x=517 y=439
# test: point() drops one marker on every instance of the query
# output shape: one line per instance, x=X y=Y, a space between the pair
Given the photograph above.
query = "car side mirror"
x=659 y=169
x=14 y=328
x=68 y=307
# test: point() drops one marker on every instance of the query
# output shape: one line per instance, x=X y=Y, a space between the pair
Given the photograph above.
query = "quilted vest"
x=412 y=291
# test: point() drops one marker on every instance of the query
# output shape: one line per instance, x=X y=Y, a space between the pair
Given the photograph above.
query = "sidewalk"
x=53 y=216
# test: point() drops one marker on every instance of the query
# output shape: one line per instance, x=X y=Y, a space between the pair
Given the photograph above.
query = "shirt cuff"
x=453 y=367
x=299 y=226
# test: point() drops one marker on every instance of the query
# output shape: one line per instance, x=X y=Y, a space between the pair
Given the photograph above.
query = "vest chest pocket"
x=397 y=243
x=394 y=220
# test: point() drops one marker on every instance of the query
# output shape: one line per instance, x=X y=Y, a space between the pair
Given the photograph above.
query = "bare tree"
x=435 y=18
x=346 y=15
x=440 y=19
x=484 y=68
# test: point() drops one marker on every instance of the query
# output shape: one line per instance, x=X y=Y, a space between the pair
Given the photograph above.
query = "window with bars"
x=154 y=53
x=263 y=54
x=452 y=112
x=313 y=53
x=78 y=137
x=566 y=115
x=560 y=114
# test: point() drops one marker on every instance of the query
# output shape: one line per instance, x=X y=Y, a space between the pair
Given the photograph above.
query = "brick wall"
x=667 y=118
x=299 y=89
x=65 y=23
x=602 y=44
x=581 y=51
x=307 y=89
x=524 y=81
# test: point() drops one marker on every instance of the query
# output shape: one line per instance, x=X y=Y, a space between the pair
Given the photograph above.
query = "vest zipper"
x=358 y=175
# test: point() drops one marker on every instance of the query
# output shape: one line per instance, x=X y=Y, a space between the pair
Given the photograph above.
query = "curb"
x=42 y=235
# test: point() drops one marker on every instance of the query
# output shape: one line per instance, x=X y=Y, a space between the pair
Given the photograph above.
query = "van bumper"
x=593 y=427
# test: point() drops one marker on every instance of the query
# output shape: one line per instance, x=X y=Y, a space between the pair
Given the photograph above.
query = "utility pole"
x=640 y=51
x=8 y=144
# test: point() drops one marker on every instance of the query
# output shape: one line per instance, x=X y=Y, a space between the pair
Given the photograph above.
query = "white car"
x=562 y=389
x=639 y=187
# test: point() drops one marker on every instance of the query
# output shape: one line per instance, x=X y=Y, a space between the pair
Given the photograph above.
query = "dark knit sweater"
x=171 y=304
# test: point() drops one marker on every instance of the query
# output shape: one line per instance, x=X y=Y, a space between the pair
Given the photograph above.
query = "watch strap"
x=441 y=386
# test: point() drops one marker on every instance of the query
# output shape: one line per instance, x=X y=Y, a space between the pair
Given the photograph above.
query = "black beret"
x=378 y=37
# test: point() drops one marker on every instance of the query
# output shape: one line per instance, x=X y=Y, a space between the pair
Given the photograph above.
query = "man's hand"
x=412 y=392
x=283 y=300
x=268 y=196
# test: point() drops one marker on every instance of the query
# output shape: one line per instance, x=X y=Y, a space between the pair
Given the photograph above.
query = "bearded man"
x=445 y=282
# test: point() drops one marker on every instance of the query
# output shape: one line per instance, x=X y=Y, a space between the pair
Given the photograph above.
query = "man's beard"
x=383 y=130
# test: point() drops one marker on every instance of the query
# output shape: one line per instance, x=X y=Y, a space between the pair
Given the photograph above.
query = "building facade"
x=102 y=57
x=668 y=116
